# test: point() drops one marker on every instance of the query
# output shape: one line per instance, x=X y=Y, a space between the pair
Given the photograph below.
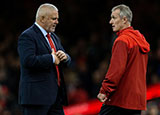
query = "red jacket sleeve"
x=116 y=68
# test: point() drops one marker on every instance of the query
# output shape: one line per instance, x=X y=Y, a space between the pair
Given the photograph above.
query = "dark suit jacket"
x=38 y=81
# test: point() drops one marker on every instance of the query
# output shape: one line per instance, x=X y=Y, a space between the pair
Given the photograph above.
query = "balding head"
x=45 y=10
x=47 y=17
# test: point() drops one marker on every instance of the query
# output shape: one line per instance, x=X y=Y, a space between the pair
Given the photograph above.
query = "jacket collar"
x=125 y=29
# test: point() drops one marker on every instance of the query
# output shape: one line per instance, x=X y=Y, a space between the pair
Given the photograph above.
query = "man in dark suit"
x=42 y=89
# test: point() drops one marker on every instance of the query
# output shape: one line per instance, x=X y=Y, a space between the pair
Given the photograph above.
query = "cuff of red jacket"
x=104 y=92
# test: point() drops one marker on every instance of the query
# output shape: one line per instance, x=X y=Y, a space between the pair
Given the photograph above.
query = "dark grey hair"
x=124 y=11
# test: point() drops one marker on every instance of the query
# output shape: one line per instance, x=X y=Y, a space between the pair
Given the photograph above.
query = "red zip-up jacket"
x=125 y=81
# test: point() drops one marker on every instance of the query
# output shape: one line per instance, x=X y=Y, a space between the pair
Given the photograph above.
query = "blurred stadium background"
x=87 y=36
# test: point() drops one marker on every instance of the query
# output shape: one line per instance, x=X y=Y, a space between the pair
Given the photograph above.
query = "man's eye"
x=54 y=18
x=113 y=17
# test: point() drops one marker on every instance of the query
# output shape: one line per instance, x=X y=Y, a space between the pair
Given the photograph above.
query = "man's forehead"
x=54 y=13
x=115 y=12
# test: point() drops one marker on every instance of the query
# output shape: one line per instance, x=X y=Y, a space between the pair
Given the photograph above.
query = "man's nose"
x=110 y=22
x=56 y=21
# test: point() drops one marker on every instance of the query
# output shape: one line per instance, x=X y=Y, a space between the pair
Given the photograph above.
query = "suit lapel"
x=41 y=38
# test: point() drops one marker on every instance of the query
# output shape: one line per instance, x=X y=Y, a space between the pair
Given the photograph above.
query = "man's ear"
x=42 y=19
x=125 y=20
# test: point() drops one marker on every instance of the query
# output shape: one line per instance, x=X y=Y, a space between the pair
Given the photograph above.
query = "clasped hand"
x=59 y=56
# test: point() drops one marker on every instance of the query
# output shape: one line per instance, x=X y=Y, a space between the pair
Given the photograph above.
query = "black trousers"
x=113 y=110
x=54 y=109
x=42 y=110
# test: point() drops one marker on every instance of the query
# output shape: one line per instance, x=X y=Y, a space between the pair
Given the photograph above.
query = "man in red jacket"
x=123 y=90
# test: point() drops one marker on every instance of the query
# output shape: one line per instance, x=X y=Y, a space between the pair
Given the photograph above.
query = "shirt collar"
x=42 y=30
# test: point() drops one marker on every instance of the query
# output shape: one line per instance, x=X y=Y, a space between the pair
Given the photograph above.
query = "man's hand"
x=57 y=60
x=102 y=97
x=61 y=55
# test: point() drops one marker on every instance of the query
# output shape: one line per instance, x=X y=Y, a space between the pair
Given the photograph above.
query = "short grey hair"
x=124 y=11
x=43 y=10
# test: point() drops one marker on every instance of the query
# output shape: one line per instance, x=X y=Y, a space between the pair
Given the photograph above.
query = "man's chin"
x=114 y=30
x=53 y=30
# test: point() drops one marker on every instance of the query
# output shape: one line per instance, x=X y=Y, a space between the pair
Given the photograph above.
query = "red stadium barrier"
x=89 y=108
x=153 y=91
x=92 y=107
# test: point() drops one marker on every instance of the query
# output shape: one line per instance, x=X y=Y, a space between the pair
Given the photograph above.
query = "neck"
x=39 y=23
x=126 y=26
